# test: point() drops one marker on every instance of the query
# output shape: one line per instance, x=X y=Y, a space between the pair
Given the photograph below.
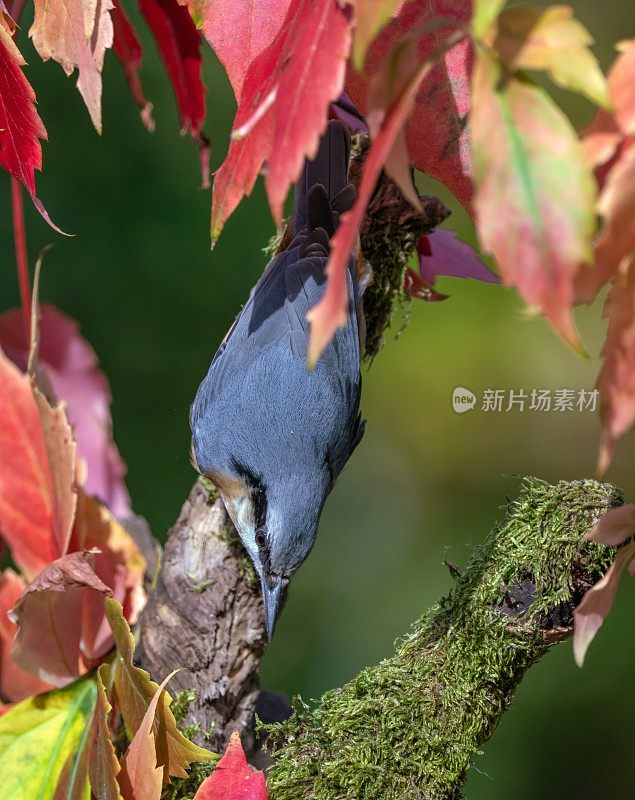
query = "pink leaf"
x=233 y=778
x=596 y=604
x=441 y=253
x=615 y=526
x=226 y=22
x=616 y=380
x=15 y=683
x=70 y=365
x=49 y=619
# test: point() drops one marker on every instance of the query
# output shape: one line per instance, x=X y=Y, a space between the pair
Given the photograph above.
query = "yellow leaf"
x=527 y=37
x=135 y=690
x=483 y=16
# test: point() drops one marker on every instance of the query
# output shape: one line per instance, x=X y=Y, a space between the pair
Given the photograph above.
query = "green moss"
x=410 y=727
x=209 y=487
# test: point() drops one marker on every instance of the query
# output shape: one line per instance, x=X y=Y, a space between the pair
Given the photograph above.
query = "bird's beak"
x=271 y=592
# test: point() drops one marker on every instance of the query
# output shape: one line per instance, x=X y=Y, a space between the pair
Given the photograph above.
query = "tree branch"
x=410 y=727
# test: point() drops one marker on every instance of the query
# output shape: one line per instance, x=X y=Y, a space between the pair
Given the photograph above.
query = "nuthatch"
x=271 y=435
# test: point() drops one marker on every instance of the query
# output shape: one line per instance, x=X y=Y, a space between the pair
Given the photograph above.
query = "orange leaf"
x=616 y=380
x=534 y=194
x=233 y=778
x=35 y=444
x=60 y=31
x=118 y=563
x=140 y=777
x=134 y=690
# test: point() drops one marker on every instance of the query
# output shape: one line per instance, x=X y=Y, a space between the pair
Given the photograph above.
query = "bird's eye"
x=261 y=538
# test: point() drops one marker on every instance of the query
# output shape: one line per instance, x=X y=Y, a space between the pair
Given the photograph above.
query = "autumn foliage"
x=446 y=87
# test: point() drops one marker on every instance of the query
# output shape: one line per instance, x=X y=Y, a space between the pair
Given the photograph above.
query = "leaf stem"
x=21 y=257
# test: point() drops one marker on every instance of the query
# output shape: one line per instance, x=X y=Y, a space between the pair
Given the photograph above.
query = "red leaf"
x=35 y=510
x=226 y=22
x=127 y=48
x=20 y=125
x=233 y=778
x=330 y=312
x=616 y=380
x=15 y=683
x=49 y=619
x=312 y=67
x=283 y=106
x=71 y=367
x=178 y=43
x=140 y=777
x=436 y=134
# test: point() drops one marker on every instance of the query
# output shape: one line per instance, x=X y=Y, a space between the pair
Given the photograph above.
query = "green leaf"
x=483 y=16
x=135 y=690
x=39 y=735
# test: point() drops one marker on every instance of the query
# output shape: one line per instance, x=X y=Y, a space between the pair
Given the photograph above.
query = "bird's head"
x=276 y=516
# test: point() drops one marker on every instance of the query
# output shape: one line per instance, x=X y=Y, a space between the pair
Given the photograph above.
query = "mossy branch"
x=410 y=726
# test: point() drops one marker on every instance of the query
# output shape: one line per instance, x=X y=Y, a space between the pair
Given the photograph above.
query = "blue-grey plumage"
x=270 y=434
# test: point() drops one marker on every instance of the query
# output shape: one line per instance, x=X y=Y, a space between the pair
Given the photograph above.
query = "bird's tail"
x=323 y=191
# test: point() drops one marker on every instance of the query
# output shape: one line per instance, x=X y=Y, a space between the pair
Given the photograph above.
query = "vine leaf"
x=20 y=125
x=233 y=778
x=134 y=690
x=127 y=48
x=534 y=193
x=436 y=132
x=531 y=38
x=63 y=32
x=283 y=106
x=38 y=736
x=140 y=775
x=35 y=508
x=614 y=527
x=225 y=22
x=48 y=616
x=103 y=765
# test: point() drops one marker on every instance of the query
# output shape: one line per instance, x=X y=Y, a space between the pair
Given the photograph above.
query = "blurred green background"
x=426 y=483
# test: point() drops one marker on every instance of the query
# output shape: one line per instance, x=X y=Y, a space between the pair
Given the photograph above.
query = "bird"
x=272 y=435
